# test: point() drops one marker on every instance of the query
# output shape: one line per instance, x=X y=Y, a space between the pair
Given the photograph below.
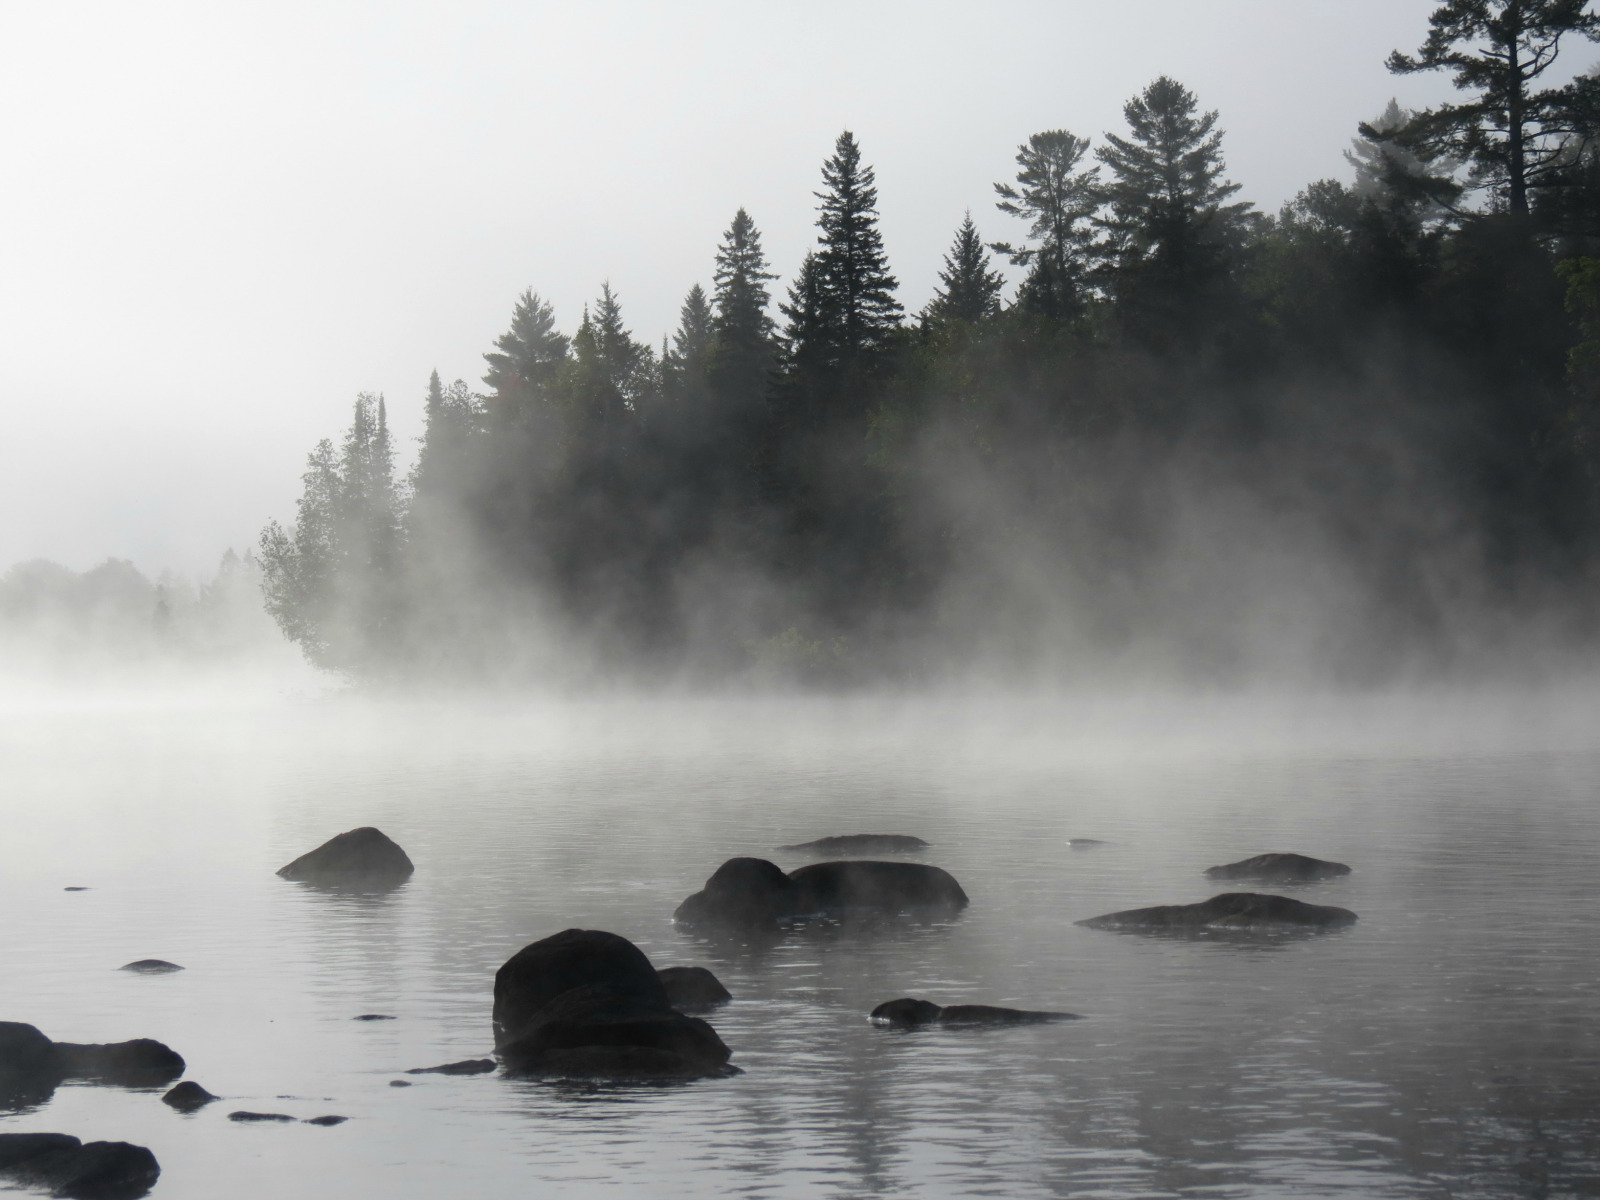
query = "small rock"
x=151 y=966
x=373 y=1017
x=362 y=856
x=910 y=1014
x=1232 y=911
x=243 y=1115
x=1084 y=843
x=328 y=1120
x=692 y=989
x=468 y=1066
x=1280 y=868
x=399 y=1083
x=188 y=1096
x=75 y=889
x=859 y=843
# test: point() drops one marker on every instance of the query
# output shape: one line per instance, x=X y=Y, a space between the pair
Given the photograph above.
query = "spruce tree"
x=1057 y=199
x=527 y=359
x=685 y=361
x=855 y=289
x=969 y=291
x=1511 y=132
x=742 y=353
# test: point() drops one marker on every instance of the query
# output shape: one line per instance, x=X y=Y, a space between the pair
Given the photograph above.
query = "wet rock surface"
x=151 y=966
x=1241 y=911
x=859 y=843
x=31 y=1065
x=910 y=1014
x=359 y=857
x=754 y=892
x=245 y=1115
x=330 y=1119
x=373 y=1017
x=188 y=1096
x=68 y=1167
x=468 y=1066
x=586 y=1003
x=693 y=989
x=1280 y=868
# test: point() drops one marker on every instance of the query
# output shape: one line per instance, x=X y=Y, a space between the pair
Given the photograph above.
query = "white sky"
x=219 y=221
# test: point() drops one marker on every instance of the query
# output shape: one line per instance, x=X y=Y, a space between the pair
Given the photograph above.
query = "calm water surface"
x=1447 y=1045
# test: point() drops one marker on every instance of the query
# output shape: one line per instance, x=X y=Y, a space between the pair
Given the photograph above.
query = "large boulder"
x=1244 y=911
x=32 y=1064
x=754 y=892
x=1279 y=868
x=693 y=989
x=588 y=1003
x=362 y=857
x=851 y=844
x=74 y=1169
x=911 y=1014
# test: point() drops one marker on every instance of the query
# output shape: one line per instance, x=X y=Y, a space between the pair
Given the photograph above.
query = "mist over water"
x=1443 y=1045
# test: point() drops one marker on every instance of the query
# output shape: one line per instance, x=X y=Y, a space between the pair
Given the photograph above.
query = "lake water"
x=1447 y=1045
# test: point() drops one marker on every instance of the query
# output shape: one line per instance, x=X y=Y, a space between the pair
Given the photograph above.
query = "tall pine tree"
x=1056 y=198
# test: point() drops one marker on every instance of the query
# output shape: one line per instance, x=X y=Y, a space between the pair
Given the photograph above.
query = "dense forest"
x=1355 y=438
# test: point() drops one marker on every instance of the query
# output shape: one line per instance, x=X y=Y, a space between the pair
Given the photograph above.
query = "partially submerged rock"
x=330 y=1119
x=692 y=989
x=1280 y=868
x=373 y=1017
x=81 y=1171
x=467 y=1066
x=360 y=857
x=188 y=1097
x=586 y=1003
x=244 y=1115
x=910 y=1014
x=755 y=892
x=1245 y=911
x=31 y=1065
x=151 y=966
x=1084 y=843
x=851 y=844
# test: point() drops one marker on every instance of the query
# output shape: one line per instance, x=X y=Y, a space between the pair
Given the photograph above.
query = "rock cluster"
x=755 y=892
x=81 y=1171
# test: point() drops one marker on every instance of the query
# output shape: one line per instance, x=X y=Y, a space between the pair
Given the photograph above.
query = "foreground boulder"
x=1279 y=868
x=693 y=989
x=31 y=1065
x=851 y=844
x=68 y=1167
x=360 y=857
x=586 y=1003
x=755 y=892
x=910 y=1014
x=1233 y=910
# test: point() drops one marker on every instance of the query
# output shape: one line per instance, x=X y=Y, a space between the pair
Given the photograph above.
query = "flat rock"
x=1084 y=843
x=467 y=1066
x=74 y=889
x=373 y=1017
x=188 y=1096
x=399 y=1083
x=330 y=1119
x=1279 y=868
x=754 y=892
x=692 y=989
x=151 y=966
x=78 y=1170
x=851 y=844
x=246 y=1115
x=358 y=857
x=1243 y=911
x=911 y=1014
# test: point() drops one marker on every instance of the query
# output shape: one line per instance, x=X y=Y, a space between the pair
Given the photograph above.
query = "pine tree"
x=1410 y=185
x=1511 y=133
x=528 y=357
x=969 y=290
x=1057 y=199
x=855 y=290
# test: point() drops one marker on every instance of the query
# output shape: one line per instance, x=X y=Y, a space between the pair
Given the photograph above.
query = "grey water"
x=1446 y=1045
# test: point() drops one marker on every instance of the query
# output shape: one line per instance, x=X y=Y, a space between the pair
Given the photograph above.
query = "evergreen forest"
x=1359 y=437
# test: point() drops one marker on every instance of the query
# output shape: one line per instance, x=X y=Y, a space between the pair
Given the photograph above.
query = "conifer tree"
x=527 y=359
x=742 y=350
x=969 y=291
x=685 y=361
x=1511 y=132
x=1057 y=199
x=855 y=292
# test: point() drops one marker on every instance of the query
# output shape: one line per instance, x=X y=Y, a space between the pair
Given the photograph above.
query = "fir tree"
x=969 y=291
x=1057 y=199
x=685 y=361
x=527 y=358
x=742 y=353
x=855 y=290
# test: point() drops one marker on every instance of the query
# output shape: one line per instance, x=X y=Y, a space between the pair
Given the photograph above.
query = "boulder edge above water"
x=355 y=857
x=31 y=1064
x=1280 y=868
x=1237 y=911
x=908 y=1013
x=75 y=1169
x=693 y=989
x=746 y=892
x=850 y=845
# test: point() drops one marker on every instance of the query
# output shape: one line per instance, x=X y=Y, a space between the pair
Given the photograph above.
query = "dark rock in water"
x=587 y=1003
x=372 y=1017
x=142 y=1062
x=859 y=843
x=74 y=889
x=753 y=892
x=24 y=1050
x=188 y=1096
x=692 y=989
x=467 y=1066
x=80 y=1171
x=330 y=1119
x=1280 y=868
x=151 y=966
x=909 y=1014
x=1084 y=843
x=361 y=856
x=245 y=1115
x=1243 y=911
x=399 y=1083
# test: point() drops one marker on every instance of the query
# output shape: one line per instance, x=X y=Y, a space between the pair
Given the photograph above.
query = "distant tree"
x=450 y=419
x=1511 y=132
x=528 y=358
x=1057 y=199
x=614 y=373
x=1412 y=185
x=686 y=359
x=743 y=330
x=808 y=334
x=1169 y=226
x=968 y=290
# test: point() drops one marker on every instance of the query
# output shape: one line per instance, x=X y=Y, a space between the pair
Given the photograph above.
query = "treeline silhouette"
x=1198 y=436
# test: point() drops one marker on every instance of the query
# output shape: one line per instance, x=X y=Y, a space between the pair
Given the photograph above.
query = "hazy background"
x=221 y=222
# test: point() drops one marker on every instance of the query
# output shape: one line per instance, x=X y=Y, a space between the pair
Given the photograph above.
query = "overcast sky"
x=219 y=221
